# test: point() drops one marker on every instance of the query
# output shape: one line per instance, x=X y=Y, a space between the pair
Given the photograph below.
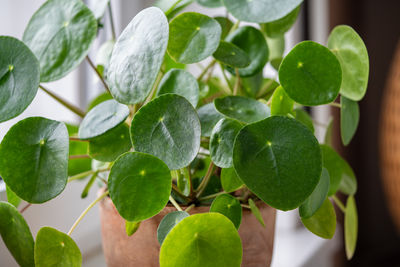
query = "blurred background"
x=372 y=153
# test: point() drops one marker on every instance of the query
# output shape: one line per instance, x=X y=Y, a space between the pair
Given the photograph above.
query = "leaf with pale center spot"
x=281 y=103
x=229 y=206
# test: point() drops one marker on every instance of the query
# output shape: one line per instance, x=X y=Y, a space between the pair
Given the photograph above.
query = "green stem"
x=212 y=196
x=237 y=83
x=245 y=206
x=226 y=79
x=179 y=193
x=86 y=211
x=334 y=104
x=172 y=8
x=339 y=203
x=190 y=207
x=205 y=180
x=110 y=13
x=263 y=92
x=204 y=72
x=234 y=27
x=63 y=102
x=172 y=200
x=84 y=174
x=98 y=74
x=154 y=89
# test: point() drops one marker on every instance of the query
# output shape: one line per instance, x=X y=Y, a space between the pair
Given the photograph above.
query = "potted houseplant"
x=184 y=162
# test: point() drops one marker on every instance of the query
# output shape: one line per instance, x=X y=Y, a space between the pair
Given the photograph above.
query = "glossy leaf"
x=231 y=55
x=241 y=108
x=168 y=222
x=282 y=180
x=12 y=198
x=131 y=227
x=54 y=248
x=230 y=181
x=34 y=159
x=137 y=56
x=75 y=165
x=281 y=103
x=182 y=83
x=209 y=117
x=323 y=222
x=207 y=239
x=226 y=26
x=60 y=34
x=349 y=118
x=317 y=198
x=229 y=206
x=253 y=43
x=16 y=235
x=260 y=11
x=256 y=212
x=193 y=37
x=210 y=3
x=19 y=77
x=102 y=118
x=311 y=74
x=348 y=184
x=305 y=118
x=140 y=185
x=221 y=142
x=350 y=49
x=168 y=128
x=350 y=227
x=279 y=27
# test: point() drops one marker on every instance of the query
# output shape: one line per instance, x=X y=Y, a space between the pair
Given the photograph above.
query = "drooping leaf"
x=12 y=198
x=256 y=212
x=16 y=235
x=253 y=43
x=180 y=82
x=209 y=117
x=231 y=55
x=281 y=103
x=323 y=222
x=226 y=26
x=311 y=74
x=193 y=37
x=168 y=128
x=279 y=27
x=317 y=198
x=260 y=11
x=207 y=239
x=349 y=118
x=229 y=180
x=137 y=56
x=241 y=108
x=350 y=227
x=260 y=157
x=305 y=118
x=54 y=248
x=221 y=142
x=229 y=206
x=168 y=222
x=19 y=77
x=139 y=185
x=131 y=227
x=350 y=49
x=77 y=165
x=210 y=3
x=34 y=159
x=60 y=34
x=348 y=184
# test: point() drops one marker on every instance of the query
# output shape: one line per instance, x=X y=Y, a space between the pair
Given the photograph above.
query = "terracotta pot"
x=142 y=248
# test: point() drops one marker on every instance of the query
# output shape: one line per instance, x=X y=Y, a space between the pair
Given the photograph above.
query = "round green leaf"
x=54 y=248
x=168 y=222
x=350 y=227
x=193 y=37
x=302 y=116
x=229 y=206
x=16 y=235
x=221 y=142
x=180 y=82
x=323 y=222
x=109 y=146
x=19 y=77
x=34 y=159
x=260 y=156
x=281 y=103
x=311 y=74
x=207 y=239
x=350 y=49
x=208 y=116
x=210 y=3
x=231 y=55
x=140 y=185
x=60 y=34
x=260 y=11
x=167 y=127
x=242 y=108
x=102 y=118
x=229 y=180
x=137 y=56
x=279 y=27
x=349 y=118
x=256 y=212
x=317 y=198
x=253 y=43
x=335 y=165
x=226 y=26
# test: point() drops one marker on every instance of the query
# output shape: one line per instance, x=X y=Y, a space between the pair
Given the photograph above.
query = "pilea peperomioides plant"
x=159 y=135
